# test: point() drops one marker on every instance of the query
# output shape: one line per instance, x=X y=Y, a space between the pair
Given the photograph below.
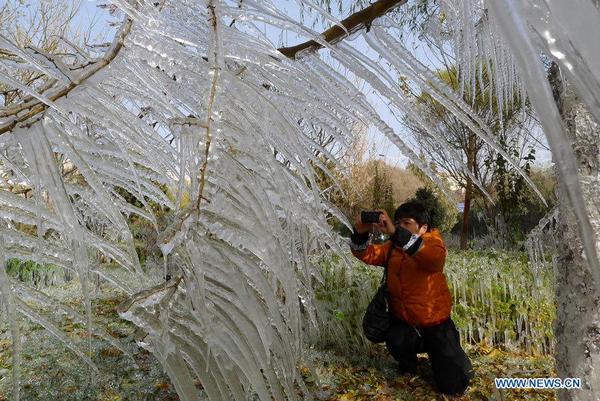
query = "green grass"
x=498 y=301
x=33 y=273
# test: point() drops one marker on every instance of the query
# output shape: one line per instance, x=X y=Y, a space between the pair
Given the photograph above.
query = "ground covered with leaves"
x=52 y=372
x=376 y=378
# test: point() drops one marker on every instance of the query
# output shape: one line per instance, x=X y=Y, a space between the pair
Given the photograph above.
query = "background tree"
x=383 y=192
x=511 y=124
x=444 y=211
x=440 y=215
x=365 y=182
x=50 y=28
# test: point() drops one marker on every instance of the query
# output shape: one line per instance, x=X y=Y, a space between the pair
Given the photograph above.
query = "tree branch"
x=36 y=107
x=358 y=20
x=211 y=99
x=170 y=285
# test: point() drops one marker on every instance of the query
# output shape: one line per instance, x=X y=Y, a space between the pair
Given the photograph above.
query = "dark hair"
x=413 y=210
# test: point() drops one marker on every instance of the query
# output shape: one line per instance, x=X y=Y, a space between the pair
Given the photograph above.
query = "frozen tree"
x=192 y=96
x=577 y=326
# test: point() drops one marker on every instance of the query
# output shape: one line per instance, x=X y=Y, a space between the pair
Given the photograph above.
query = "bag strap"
x=387 y=260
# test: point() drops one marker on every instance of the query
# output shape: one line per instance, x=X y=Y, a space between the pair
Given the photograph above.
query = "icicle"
x=33 y=61
x=514 y=28
x=39 y=155
x=275 y=17
x=396 y=140
x=25 y=89
x=446 y=97
x=105 y=202
x=565 y=31
x=81 y=264
x=8 y=300
x=396 y=98
x=323 y=12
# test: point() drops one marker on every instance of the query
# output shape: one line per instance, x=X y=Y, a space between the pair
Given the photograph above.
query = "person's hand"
x=361 y=227
x=385 y=225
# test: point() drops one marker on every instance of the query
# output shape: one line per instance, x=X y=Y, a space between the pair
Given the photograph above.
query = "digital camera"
x=369 y=216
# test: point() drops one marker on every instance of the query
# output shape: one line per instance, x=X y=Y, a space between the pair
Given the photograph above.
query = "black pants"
x=452 y=369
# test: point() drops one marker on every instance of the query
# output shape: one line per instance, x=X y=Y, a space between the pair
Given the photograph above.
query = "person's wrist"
x=359 y=238
x=361 y=231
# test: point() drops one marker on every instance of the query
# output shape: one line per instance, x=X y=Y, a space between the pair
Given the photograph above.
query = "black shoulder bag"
x=376 y=321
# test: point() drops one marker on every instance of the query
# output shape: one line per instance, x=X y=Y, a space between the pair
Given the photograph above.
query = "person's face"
x=411 y=225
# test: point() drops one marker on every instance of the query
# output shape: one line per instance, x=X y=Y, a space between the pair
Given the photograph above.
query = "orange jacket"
x=417 y=287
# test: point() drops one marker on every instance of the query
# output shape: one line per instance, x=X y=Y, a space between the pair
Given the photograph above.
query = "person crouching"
x=418 y=296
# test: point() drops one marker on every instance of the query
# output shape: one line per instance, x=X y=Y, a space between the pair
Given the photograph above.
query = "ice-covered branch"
x=36 y=106
x=147 y=293
x=214 y=22
x=358 y=20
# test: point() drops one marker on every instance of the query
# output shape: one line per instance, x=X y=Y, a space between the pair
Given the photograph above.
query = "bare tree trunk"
x=464 y=233
x=577 y=325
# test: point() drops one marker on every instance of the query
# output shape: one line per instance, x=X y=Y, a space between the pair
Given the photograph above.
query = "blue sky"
x=89 y=12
